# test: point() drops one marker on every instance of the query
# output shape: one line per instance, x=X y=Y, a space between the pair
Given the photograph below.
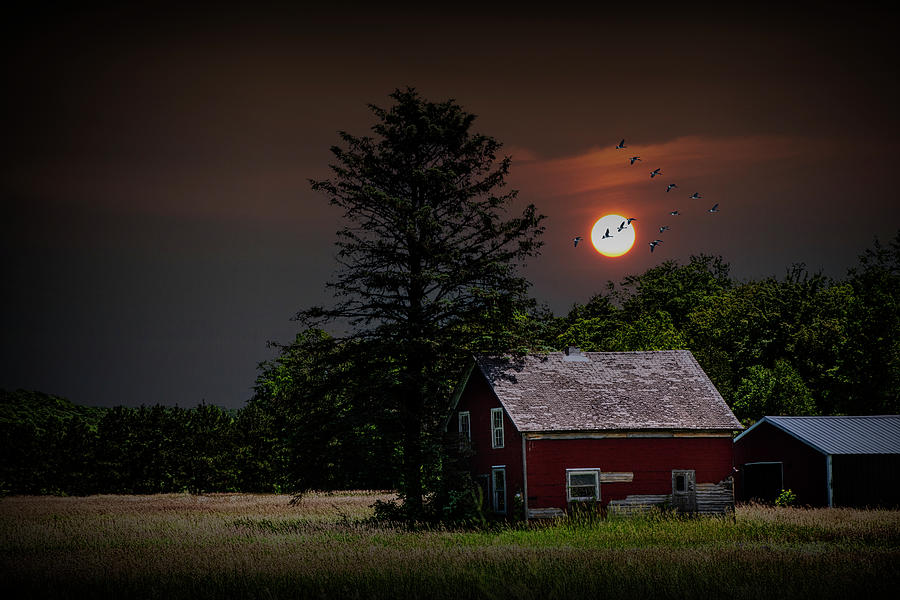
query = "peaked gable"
x=603 y=391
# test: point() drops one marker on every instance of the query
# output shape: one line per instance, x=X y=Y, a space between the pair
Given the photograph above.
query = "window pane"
x=679 y=483
x=582 y=492
x=497 y=417
x=583 y=479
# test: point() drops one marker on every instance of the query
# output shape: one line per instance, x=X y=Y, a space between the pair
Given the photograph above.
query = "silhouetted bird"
x=622 y=226
x=577 y=239
x=674 y=213
x=671 y=187
x=630 y=219
x=715 y=208
x=664 y=228
x=654 y=243
x=606 y=235
x=621 y=144
x=634 y=158
x=654 y=173
x=696 y=196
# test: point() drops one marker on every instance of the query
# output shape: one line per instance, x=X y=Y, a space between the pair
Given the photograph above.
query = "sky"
x=158 y=223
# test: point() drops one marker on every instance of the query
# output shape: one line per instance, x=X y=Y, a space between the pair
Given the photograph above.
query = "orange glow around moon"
x=618 y=242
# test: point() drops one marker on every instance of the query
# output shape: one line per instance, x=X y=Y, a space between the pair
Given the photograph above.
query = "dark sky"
x=158 y=227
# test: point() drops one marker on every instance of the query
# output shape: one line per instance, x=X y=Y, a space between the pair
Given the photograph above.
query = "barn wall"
x=478 y=399
x=649 y=460
x=804 y=468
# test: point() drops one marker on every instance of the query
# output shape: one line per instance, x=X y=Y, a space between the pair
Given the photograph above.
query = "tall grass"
x=253 y=546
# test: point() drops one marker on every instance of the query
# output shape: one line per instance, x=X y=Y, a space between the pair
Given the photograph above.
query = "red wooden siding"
x=478 y=399
x=804 y=469
x=652 y=461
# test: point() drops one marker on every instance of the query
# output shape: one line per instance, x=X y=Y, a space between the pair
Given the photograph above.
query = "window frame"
x=582 y=471
x=468 y=419
x=497 y=429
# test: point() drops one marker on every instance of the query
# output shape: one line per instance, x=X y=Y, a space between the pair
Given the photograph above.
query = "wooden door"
x=684 y=491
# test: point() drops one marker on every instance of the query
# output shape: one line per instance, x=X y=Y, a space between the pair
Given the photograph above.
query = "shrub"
x=786 y=498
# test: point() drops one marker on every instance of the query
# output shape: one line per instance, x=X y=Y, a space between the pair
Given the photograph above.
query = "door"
x=684 y=491
x=762 y=481
x=498 y=480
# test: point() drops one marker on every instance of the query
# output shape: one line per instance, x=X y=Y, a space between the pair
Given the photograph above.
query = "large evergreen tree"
x=428 y=257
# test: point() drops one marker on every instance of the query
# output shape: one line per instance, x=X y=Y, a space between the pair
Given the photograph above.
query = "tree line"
x=322 y=416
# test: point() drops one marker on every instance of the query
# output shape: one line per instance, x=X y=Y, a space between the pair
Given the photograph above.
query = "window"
x=683 y=482
x=496 y=428
x=583 y=485
x=465 y=426
x=498 y=478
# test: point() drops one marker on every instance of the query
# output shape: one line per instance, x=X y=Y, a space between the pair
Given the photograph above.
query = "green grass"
x=248 y=546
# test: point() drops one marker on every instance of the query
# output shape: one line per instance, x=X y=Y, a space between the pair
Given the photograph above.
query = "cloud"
x=606 y=171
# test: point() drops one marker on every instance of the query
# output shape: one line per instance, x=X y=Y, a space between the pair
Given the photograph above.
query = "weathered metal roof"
x=602 y=391
x=841 y=435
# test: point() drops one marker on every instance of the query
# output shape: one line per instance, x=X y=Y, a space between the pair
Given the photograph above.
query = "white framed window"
x=583 y=485
x=496 y=428
x=498 y=488
x=465 y=425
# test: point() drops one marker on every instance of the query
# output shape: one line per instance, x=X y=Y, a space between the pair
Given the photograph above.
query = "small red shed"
x=625 y=429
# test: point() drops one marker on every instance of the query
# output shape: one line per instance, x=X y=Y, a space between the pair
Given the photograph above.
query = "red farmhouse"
x=627 y=429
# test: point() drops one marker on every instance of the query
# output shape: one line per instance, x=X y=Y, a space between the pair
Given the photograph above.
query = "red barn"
x=625 y=429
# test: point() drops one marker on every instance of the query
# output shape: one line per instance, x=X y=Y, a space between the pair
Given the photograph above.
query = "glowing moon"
x=620 y=242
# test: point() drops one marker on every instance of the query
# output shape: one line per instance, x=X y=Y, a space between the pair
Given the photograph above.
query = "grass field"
x=259 y=546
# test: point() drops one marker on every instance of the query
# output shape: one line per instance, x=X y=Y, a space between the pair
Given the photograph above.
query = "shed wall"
x=804 y=468
x=866 y=480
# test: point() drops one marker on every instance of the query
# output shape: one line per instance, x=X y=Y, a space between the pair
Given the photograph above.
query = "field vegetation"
x=262 y=546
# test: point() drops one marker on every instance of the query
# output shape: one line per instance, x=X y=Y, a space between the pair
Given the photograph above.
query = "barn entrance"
x=763 y=481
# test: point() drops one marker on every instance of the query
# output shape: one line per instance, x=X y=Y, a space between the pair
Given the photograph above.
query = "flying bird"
x=634 y=158
x=577 y=239
x=630 y=219
x=621 y=144
x=622 y=226
x=654 y=243
x=715 y=208
x=606 y=235
x=654 y=173
x=696 y=196
x=664 y=228
x=671 y=187
x=674 y=213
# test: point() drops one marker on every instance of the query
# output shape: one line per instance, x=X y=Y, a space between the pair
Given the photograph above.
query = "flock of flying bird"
x=663 y=228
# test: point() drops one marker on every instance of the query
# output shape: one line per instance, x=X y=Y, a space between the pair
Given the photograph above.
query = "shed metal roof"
x=841 y=435
x=601 y=391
